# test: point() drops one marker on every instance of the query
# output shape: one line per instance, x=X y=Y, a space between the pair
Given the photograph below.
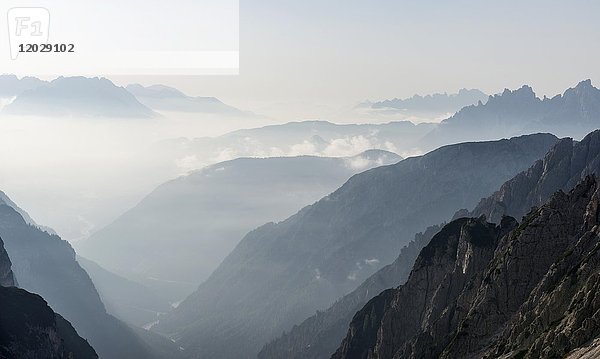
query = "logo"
x=27 y=26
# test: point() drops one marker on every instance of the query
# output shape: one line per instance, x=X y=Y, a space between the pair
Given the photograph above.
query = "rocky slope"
x=179 y=233
x=44 y=264
x=29 y=328
x=484 y=290
x=320 y=335
x=280 y=274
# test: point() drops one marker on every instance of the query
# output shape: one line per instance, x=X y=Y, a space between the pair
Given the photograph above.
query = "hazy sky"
x=312 y=53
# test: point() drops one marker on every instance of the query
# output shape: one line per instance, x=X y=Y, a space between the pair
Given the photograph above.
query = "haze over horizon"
x=312 y=59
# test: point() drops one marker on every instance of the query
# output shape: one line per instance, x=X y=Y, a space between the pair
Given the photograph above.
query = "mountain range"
x=199 y=218
x=574 y=113
x=78 y=97
x=551 y=220
x=437 y=103
x=565 y=164
x=280 y=274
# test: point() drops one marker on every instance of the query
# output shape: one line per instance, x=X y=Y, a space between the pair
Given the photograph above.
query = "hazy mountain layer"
x=432 y=104
x=29 y=328
x=78 y=97
x=176 y=236
x=164 y=98
x=481 y=290
x=301 y=138
x=281 y=273
x=127 y=300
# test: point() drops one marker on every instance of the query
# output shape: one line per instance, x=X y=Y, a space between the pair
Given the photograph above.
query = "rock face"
x=29 y=329
x=319 y=336
x=44 y=264
x=574 y=113
x=483 y=290
x=280 y=274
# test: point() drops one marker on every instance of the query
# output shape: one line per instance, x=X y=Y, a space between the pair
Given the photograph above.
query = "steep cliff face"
x=480 y=290
x=29 y=328
x=319 y=336
x=280 y=274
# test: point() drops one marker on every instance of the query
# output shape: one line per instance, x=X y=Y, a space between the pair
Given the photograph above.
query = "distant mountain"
x=11 y=85
x=495 y=291
x=280 y=274
x=78 y=97
x=316 y=138
x=176 y=236
x=320 y=335
x=29 y=328
x=574 y=114
x=436 y=103
x=164 y=98
x=429 y=108
x=127 y=300
x=44 y=264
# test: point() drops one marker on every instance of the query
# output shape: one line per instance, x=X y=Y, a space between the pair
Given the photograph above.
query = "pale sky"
x=312 y=54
